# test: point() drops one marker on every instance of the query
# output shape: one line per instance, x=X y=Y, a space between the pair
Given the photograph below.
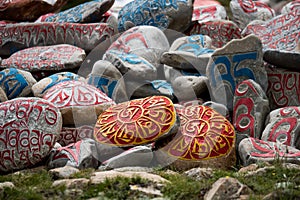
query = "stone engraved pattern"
x=73 y=135
x=29 y=128
x=45 y=58
x=210 y=12
x=204 y=134
x=196 y=45
x=136 y=122
x=106 y=85
x=75 y=93
x=4 y=4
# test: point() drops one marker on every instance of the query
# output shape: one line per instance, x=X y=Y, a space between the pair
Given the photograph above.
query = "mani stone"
x=252 y=150
x=16 y=82
x=250 y=109
x=291 y=6
x=79 y=103
x=19 y=36
x=148 y=42
x=286 y=27
x=162 y=14
x=46 y=58
x=247 y=11
x=136 y=122
x=189 y=52
x=220 y=31
x=106 y=77
x=283 y=126
x=28 y=10
x=41 y=87
x=283 y=88
x=209 y=12
x=89 y=12
x=70 y=135
x=239 y=60
x=29 y=129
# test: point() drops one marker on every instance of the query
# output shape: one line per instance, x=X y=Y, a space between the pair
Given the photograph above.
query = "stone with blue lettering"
x=88 y=12
x=42 y=86
x=237 y=61
x=173 y=14
x=131 y=65
x=189 y=52
x=106 y=77
x=16 y=82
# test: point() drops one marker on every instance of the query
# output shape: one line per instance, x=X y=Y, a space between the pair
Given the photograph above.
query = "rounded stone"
x=136 y=122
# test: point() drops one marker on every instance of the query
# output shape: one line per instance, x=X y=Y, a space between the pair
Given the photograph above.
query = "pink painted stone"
x=279 y=33
x=29 y=129
x=79 y=102
x=205 y=2
x=73 y=135
x=209 y=12
x=15 y=37
x=220 y=31
x=46 y=58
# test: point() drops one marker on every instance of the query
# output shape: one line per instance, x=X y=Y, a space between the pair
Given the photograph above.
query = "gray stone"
x=239 y=60
x=6 y=184
x=63 y=172
x=220 y=108
x=3 y=96
x=172 y=73
x=283 y=59
x=199 y=173
x=72 y=183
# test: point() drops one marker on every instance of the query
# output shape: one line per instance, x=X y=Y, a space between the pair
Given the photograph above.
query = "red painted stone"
x=204 y=134
x=28 y=131
x=73 y=135
x=136 y=122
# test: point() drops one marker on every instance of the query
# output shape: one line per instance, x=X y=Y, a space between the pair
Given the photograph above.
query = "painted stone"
x=189 y=87
x=220 y=31
x=204 y=134
x=131 y=65
x=46 y=58
x=282 y=126
x=209 y=13
x=70 y=135
x=81 y=155
x=136 y=122
x=117 y=6
x=79 y=103
x=250 y=109
x=283 y=59
x=3 y=96
x=16 y=82
x=283 y=89
x=89 y=12
x=41 y=87
x=190 y=52
x=280 y=33
x=290 y=7
x=205 y=2
x=29 y=129
x=239 y=60
x=148 y=42
x=252 y=150
x=28 y=10
x=163 y=14
x=245 y=11
x=15 y=37
x=106 y=77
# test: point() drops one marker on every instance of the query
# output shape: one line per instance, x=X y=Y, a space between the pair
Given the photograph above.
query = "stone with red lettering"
x=280 y=33
x=239 y=60
x=220 y=31
x=29 y=129
x=70 y=135
x=283 y=89
x=79 y=102
x=252 y=150
x=19 y=36
x=209 y=12
x=28 y=10
x=16 y=82
x=246 y=11
x=282 y=126
x=250 y=109
x=46 y=58
x=42 y=86
x=291 y=6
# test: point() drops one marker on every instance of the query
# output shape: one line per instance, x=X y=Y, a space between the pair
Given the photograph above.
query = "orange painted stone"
x=204 y=134
x=136 y=122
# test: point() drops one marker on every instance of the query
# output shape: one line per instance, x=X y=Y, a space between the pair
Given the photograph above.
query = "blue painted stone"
x=16 y=83
x=172 y=14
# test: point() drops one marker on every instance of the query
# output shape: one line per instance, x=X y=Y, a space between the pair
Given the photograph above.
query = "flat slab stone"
x=136 y=122
x=283 y=59
x=46 y=58
x=28 y=131
x=19 y=36
x=69 y=135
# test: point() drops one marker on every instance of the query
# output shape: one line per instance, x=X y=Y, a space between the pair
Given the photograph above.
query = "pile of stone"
x=149 y=83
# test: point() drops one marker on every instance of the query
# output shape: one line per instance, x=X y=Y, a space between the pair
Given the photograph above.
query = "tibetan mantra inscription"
x=136 y=122
x=204 y=134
